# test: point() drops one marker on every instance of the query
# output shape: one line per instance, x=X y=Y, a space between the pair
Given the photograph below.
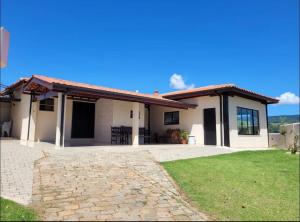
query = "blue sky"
x=139 y=45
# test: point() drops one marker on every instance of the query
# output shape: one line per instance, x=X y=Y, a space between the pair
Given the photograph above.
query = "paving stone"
x=92 y=184
x=17 y=163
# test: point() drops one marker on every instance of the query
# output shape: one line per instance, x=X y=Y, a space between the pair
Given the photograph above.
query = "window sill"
x=249 y=135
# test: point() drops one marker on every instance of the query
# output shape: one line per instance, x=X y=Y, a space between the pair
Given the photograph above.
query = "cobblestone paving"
x=17 y=164
x=106 y=186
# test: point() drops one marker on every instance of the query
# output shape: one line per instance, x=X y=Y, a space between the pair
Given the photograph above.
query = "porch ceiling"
x=42 y=85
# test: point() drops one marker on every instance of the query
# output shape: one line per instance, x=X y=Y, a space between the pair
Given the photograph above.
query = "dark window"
x=131 y=114
x=171 y=118
x=247 y=121
x=47 y=105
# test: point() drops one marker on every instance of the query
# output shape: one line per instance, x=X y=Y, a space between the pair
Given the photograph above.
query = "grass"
x=11 y=211
x=249 y=185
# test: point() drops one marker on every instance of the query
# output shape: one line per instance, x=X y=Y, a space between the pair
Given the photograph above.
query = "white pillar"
x=135 y=123
x=60 y=120
x=33 y=119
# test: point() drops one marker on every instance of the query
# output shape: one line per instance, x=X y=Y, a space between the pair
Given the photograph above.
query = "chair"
x=126 y=133
x=147 y=138
x=6 y=128
x=115 y=135
x=141 y=135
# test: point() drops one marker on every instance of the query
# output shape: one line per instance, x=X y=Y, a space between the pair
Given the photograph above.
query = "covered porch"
x=71 y=114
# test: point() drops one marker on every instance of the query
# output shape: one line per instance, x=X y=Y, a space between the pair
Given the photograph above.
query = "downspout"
x=29 y=117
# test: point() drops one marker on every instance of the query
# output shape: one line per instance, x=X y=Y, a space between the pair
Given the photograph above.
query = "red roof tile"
x=212 y=88
x=204 y=88
x=67 y=83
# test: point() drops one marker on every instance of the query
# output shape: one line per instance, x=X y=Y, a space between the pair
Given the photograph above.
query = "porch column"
x=135 y=123
x=60 y=121
x=31 y=119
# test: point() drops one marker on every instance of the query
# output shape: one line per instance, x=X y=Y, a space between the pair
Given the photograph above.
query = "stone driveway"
x=17 y=164
x=101 y=185
x=98 y=183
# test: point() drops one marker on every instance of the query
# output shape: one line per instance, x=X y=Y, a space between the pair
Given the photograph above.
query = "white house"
x=70 y=113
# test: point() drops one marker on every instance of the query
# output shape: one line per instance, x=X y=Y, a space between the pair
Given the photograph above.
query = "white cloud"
x=288 y=98
x=177 y=82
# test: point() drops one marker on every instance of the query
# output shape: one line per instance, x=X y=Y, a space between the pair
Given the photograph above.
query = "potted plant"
x=184 y=135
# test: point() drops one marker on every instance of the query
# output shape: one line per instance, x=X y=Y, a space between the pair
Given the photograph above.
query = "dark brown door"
x=210 y=137
x=83 y=120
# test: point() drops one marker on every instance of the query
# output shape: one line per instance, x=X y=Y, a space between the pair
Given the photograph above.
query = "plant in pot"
x=184 y=136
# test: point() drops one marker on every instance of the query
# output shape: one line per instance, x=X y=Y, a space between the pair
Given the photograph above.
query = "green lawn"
x=11 y=211
x=250 y=185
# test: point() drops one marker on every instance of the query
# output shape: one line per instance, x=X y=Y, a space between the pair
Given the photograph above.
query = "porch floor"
x=160 y=152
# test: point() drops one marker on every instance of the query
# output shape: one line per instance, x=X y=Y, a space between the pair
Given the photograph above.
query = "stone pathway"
x=85 y=185
x=17 y=163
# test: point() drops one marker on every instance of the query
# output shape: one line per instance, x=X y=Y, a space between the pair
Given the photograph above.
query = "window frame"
x=44 y=106
x=173 y=120
x=244 y=115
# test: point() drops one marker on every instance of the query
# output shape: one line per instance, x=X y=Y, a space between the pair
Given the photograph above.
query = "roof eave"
x=230 y=89
x=97 y=93
x=249 y=95
x=119 y=96
x=8 y=90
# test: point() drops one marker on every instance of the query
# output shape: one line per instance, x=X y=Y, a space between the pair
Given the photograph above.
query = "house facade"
x=69 y=113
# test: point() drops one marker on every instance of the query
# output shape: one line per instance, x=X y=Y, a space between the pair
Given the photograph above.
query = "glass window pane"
x=171 y=118
x=244 y=121
x=175 y=117
x=247 y=121
x=47 y=105
x=256 y=122
x=167 y=118
x=250 y=121
x=239 y=120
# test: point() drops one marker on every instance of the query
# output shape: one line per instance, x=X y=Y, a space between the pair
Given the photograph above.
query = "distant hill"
x=276 y=121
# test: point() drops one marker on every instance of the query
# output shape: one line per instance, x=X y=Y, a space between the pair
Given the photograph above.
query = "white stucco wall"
x=103 y=120
x=236 y=140
x=108 y=113
x=117 y=113
x=146 y=116
x=19 y=114
x=46 y=123
x=191 y=120
x=121 y=113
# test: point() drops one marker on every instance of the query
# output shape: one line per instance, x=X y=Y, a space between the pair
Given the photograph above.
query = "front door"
x=83 y=120
x=210 y=137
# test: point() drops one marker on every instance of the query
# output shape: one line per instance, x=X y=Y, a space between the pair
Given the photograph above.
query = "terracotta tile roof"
x=67 y=83
x=95 y=87
x=213 y=88
x=14 y=86
x=268 y=98
x=204 y=88
x=166 y=97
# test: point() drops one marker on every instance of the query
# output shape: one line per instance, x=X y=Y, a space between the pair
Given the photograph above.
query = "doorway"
x=83 y=120
x=210 y=136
